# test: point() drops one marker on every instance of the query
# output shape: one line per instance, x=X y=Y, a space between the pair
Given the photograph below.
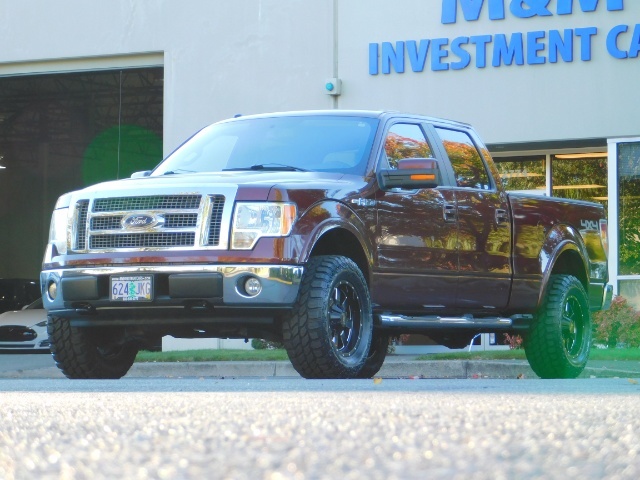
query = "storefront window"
x=523 y=174
x=581 y=176
x=629 y=208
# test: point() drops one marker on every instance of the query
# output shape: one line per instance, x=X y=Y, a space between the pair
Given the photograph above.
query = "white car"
x=24 y=330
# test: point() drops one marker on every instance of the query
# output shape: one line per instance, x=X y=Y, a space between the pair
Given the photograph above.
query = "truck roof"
x=380 y=114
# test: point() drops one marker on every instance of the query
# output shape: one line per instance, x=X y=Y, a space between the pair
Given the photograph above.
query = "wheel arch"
x=339 y=231
x=340 y=241
x=563 y=252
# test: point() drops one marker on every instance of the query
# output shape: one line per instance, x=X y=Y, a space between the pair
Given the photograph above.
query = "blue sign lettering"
x=519 y=48
x=417 y=54
x=533 y=47
x=471 y=9
x=481 y=42
x=561 y=44
x=530 y=8
x=613 y=44
x=586 y=34
x=506 y=53
x=565 y=7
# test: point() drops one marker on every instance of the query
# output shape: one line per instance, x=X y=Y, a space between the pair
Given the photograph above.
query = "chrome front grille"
x=155 y=202
x=160 y=222
x=143 y=240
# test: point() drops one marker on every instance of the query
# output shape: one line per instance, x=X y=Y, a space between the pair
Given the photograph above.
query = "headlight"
x=58 y=230
x=260 y=219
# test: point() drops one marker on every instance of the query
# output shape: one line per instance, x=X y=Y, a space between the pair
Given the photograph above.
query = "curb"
x=432 y=369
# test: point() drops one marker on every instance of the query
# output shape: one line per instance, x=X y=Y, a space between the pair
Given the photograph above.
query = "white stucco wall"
x=525 y=103
x=225 y=57
x=221 y=57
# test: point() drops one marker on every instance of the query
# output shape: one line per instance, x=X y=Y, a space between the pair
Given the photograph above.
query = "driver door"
x=417 y=234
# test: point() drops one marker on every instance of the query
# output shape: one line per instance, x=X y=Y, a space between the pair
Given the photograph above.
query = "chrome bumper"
x=181 y=284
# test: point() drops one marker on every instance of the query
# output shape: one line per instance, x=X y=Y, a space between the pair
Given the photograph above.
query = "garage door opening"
x=64 y=131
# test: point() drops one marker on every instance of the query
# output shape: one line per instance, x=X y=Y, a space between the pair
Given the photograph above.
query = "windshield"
x=308 y=143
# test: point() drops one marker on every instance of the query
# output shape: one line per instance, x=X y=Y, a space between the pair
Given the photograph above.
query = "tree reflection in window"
x=405 y=140
x=524 y=174
x=465 y=159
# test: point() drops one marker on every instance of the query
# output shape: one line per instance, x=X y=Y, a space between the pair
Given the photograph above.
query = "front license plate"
x=132 y=288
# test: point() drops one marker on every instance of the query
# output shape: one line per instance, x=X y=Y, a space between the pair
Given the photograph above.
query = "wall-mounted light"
x=333 y=86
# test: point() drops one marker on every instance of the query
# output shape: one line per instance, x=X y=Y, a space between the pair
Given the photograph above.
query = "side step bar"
x=432 y=322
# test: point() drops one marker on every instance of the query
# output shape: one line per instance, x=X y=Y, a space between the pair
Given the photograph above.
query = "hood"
x=250 y=179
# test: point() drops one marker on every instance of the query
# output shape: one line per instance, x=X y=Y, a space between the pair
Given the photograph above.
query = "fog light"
x=52 y=290
x=252 y=286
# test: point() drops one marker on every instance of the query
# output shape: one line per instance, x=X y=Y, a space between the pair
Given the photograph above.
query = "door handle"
x=449 y=213
x=501 y=216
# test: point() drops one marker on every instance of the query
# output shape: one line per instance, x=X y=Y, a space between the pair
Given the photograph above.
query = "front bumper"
x=200 y=288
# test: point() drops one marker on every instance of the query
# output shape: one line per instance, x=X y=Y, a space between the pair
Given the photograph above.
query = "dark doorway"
x=61 y=132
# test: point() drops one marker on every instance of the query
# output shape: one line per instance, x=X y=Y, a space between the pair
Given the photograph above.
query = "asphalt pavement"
x=396 y=366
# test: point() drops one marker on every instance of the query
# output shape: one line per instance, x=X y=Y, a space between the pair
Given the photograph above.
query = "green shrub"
x=260 y=344
x=618 y=325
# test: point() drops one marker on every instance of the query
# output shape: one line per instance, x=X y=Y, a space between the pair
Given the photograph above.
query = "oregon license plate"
x=132 y=288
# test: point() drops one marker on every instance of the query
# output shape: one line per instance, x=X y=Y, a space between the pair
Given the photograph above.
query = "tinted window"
x=405 y=140
x=313 y=142
x=465 y=159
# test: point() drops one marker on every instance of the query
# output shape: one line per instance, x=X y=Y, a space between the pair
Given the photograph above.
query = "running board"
x=431 y=322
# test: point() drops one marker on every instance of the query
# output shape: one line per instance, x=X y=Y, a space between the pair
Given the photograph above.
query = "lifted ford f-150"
x=330 y=232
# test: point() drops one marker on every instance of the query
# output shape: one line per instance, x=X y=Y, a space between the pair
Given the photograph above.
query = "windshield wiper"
x=271 y=167
x=178 y=170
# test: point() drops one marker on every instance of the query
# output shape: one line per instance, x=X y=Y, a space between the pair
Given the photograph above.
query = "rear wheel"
x=329 y=332
x=89 y=352
x=558 y=343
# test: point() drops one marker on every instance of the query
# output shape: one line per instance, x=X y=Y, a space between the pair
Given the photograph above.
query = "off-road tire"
x=84 y=353
x=377 y=354
x=329 y=331
x=558 y=343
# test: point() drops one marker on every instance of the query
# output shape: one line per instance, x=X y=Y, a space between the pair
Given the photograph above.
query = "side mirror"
x=411 y=173
x=145 y=173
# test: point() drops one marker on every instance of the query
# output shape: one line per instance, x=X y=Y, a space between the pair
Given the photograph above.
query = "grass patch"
x=617 y=354
x=607 y=354
x=212 y=356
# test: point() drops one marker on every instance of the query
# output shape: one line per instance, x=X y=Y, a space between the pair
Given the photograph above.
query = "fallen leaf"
x=377 y=381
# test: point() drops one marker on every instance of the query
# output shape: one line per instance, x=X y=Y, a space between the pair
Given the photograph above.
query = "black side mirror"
x=411 y=173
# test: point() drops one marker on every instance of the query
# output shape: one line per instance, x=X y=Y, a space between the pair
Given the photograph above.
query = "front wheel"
x=559 y=341
x=377 y=354
x=329 y=331
x=98 y=353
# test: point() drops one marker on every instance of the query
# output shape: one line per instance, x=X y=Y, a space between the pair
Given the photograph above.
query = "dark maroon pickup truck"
x=331 y=232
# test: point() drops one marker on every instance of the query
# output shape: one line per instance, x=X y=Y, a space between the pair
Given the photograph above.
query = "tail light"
x=604 y=235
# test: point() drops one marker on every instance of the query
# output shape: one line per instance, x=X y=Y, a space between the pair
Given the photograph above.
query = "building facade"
x=95 y=90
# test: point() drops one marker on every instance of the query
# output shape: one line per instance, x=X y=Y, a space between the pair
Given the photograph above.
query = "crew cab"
x=330 y=231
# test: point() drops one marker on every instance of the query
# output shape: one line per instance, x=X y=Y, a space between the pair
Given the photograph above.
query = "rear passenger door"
x=484 y=225
x=416 y=258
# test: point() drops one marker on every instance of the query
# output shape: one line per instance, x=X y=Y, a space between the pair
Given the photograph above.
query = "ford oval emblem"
x=139 y=220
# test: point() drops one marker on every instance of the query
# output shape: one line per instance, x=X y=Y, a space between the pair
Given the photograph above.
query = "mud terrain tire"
x=559 y=341
x=329 y=331
x=88 y=352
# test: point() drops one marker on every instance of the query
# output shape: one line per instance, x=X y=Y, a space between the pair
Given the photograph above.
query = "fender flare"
x=559 y=240
x=333 y=215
